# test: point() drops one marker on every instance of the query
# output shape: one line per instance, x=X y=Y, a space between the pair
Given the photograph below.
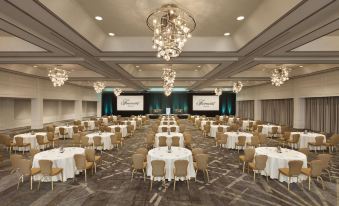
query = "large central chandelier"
x=280 y=75
x=117 y=91
x=168 y=76
x=172 y=26
x=58 y=76
x=218 y=91
x=98 y=86
x=237 y=86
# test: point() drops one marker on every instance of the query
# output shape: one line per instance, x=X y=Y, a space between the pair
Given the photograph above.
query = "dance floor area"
x=112 y=184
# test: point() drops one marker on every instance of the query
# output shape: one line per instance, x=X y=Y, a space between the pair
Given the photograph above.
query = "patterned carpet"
x=111 y=185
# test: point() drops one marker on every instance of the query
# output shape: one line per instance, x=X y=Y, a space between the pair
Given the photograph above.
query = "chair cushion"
x=35 y=171
x=306 y=171
x=284 y=171
x=251 y=165
x=56 y=171
x=96 y=158
x=89 y=165
x=242 y=157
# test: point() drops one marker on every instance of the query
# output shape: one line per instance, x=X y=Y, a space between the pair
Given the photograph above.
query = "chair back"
x=202 y=161
x=50 y=129
x=50 y=136
x=129 y=128
x=15 y=161
x=207 y=128
x=305 y=151
x=158 y=168
x=80 y=161
x=118 y=136
x=255 y=140
x=96 y=140
x=262 y=139
x=196 y=151
x=260 y=162
x=62 y=131
x=84 y=140
x=175 y=141
x=274 y=130
x=223 y=138
x=316 y=168
x=218 y=135
x=142 y=151
x=249 y=154
x=180 y=168
x=325 y=160
x=182 y=128
x=220 y=129
x=76 y=138
x=260 y=128
x=107 y=129
x=117 y=129
x=114 y=140
x=90 y=155
x=173 y=129
x=102 y=129
x=295 y=138
x=40 y=139
x=33 y=152
x=164 y=129
x=25 y=167
x=319 y=140
x=19 y=141
x=295 y=167
x=75 y=129
x=187 y=138
x=150 y=139
x=241 y=140
x=46 y=167
x=162 y=141
x=138 y=161
x=286 y=135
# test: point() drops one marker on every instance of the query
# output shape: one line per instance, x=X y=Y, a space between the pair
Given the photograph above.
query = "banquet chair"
x=19 y=142
x=255 y=142
x=25 y=169
x=294 y=141
x=143 y=151
x=15 y=161
x=117 y=129
x=102 y=128
x=138 y=163
x=196 y=151
x=173 y=129
x=48 y=171
x=52 y=139
x=50 y=128
x=325 y=163
x=86 y=125
x=76 y=141
x=273 y=132
x=172 y=123
x=319 y=142
x=260 y=128
x=91 y=157
x=247 y=158
x=332 y=143
x=175 y=141
x=229 y=129
x=293 y=170
x=115 y=141
x=85 y=142
x=33 y=152
x=164 y=129
x=206 y=131
x=180 y=170
x=250 y=126
x=158 y=170
x=128 y=123
x=182 y=128
x=82 y=164
x=97 y=143
x=119 y=138
x=202 y=165
x=241 y=143
x=262 y=140
x=42 y=142
x=62 y=132
x=187 y=140
x=314 y=170
x=75 y=129
x=254 y=128
x=218 y=137
x=162 y=141
x=284 y=139
x=222 y=140
x=220 y=129
x=149 y=141
x=198 y=123
x=305 y=151
x=130 y=130
x=259 y=165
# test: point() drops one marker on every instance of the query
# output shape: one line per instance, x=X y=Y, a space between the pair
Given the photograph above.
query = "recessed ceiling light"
x=199 y=66
x=137 y=66
x=111 y=34
x=35 y=66
x=195 y=70
x=301 y=66
x=227 y=34
x=240 y=18
x=99 y=18
x=140 y=70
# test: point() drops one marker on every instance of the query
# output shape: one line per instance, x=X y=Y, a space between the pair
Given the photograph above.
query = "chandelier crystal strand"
x=168 y=76
x=117 y=91
x=280 y=75
x=98 y=86
x=237 y=86
x=172 y=27
x=218 y=91
x=58 y=76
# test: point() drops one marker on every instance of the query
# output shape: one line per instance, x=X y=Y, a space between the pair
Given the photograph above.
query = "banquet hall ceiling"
x=303 y=34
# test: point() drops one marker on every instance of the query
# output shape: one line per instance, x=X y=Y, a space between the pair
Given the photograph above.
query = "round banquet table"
x=63 y=160
x=203 y=123
x=305 y=138
x=29 y=138
x=233 y=138
x=123 y=129
x=68 y=130
x=280 y=160
x=168 y=127
x=169 y=138
x=133 y=122
x=91 y=124
x=246 y=123
x=105 y=138
x=268 y=128
x=177 y=153
x=214 y=129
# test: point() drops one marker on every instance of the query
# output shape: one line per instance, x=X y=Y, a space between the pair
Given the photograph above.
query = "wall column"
x=99 y=105
x=257 y=109
x=37 y=107
x=299 y=106
x=78 y=110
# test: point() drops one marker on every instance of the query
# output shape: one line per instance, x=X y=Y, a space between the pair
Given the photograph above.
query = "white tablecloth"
x=169 y=138
x=168 y=127
x=133 y=122
x=198 y=118
x=63 y=160
x=105 y=138
x=280 y=160
x=203 y=123
x=177 y=153
x=233 y=138
x=306 y=138
x=268 y=128
x=123 y=129
x=68 y=131
x=246 y=123
x=214 y=129
x=29 y=138
x=91 y=124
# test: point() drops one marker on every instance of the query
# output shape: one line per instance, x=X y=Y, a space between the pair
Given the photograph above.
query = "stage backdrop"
x=176 y=101
x=205 y=103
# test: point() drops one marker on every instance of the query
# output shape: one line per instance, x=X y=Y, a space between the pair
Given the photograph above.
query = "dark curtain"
x=322 y=114
x=277 y=111
x=245 y=109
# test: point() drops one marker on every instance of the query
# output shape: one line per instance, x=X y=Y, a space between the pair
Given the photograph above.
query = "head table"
x=161 y=153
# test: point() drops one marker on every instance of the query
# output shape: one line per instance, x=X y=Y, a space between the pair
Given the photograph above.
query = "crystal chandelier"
x=168 y=76
x=237 y=86
x=172 y=26
x=280 y=75
x=58 y=76
x=218 y=91
x=117 y=91
x=98 y=86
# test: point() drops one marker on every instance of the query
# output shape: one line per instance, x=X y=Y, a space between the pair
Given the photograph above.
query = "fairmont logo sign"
x=129 y=103
x=204 y=103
